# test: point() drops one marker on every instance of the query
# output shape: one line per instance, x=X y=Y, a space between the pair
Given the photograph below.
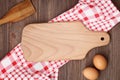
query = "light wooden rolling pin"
x=60 y=41
x=18 y=12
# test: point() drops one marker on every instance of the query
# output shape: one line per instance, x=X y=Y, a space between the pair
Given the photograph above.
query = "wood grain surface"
x=60 y=41
x=18 y=12
x=10 y=36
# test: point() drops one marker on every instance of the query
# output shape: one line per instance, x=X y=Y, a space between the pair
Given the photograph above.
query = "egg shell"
x=100 y=62
x=90 y=73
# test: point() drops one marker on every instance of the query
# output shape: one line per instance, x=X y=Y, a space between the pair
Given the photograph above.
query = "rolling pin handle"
x=2 y=21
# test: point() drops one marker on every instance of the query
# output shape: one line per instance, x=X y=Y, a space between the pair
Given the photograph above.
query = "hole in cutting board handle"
x=102 y=38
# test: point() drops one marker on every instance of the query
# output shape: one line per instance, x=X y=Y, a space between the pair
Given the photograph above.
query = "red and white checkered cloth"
x=96 y=15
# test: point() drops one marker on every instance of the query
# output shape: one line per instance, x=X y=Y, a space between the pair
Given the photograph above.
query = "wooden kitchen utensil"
x=60 y=41
x=18 y=12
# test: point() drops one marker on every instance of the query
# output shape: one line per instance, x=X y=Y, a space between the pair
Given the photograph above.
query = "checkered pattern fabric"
x=14 y=66
x=96 y=15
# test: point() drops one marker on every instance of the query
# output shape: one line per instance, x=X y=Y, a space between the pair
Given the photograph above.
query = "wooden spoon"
x=60 y=41
x=18 y=12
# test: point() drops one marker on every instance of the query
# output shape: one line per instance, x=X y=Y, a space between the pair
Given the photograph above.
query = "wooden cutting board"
x=60 y=41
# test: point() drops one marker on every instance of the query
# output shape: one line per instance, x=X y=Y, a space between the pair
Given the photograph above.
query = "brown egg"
x=100 y=62
x=90 y=73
